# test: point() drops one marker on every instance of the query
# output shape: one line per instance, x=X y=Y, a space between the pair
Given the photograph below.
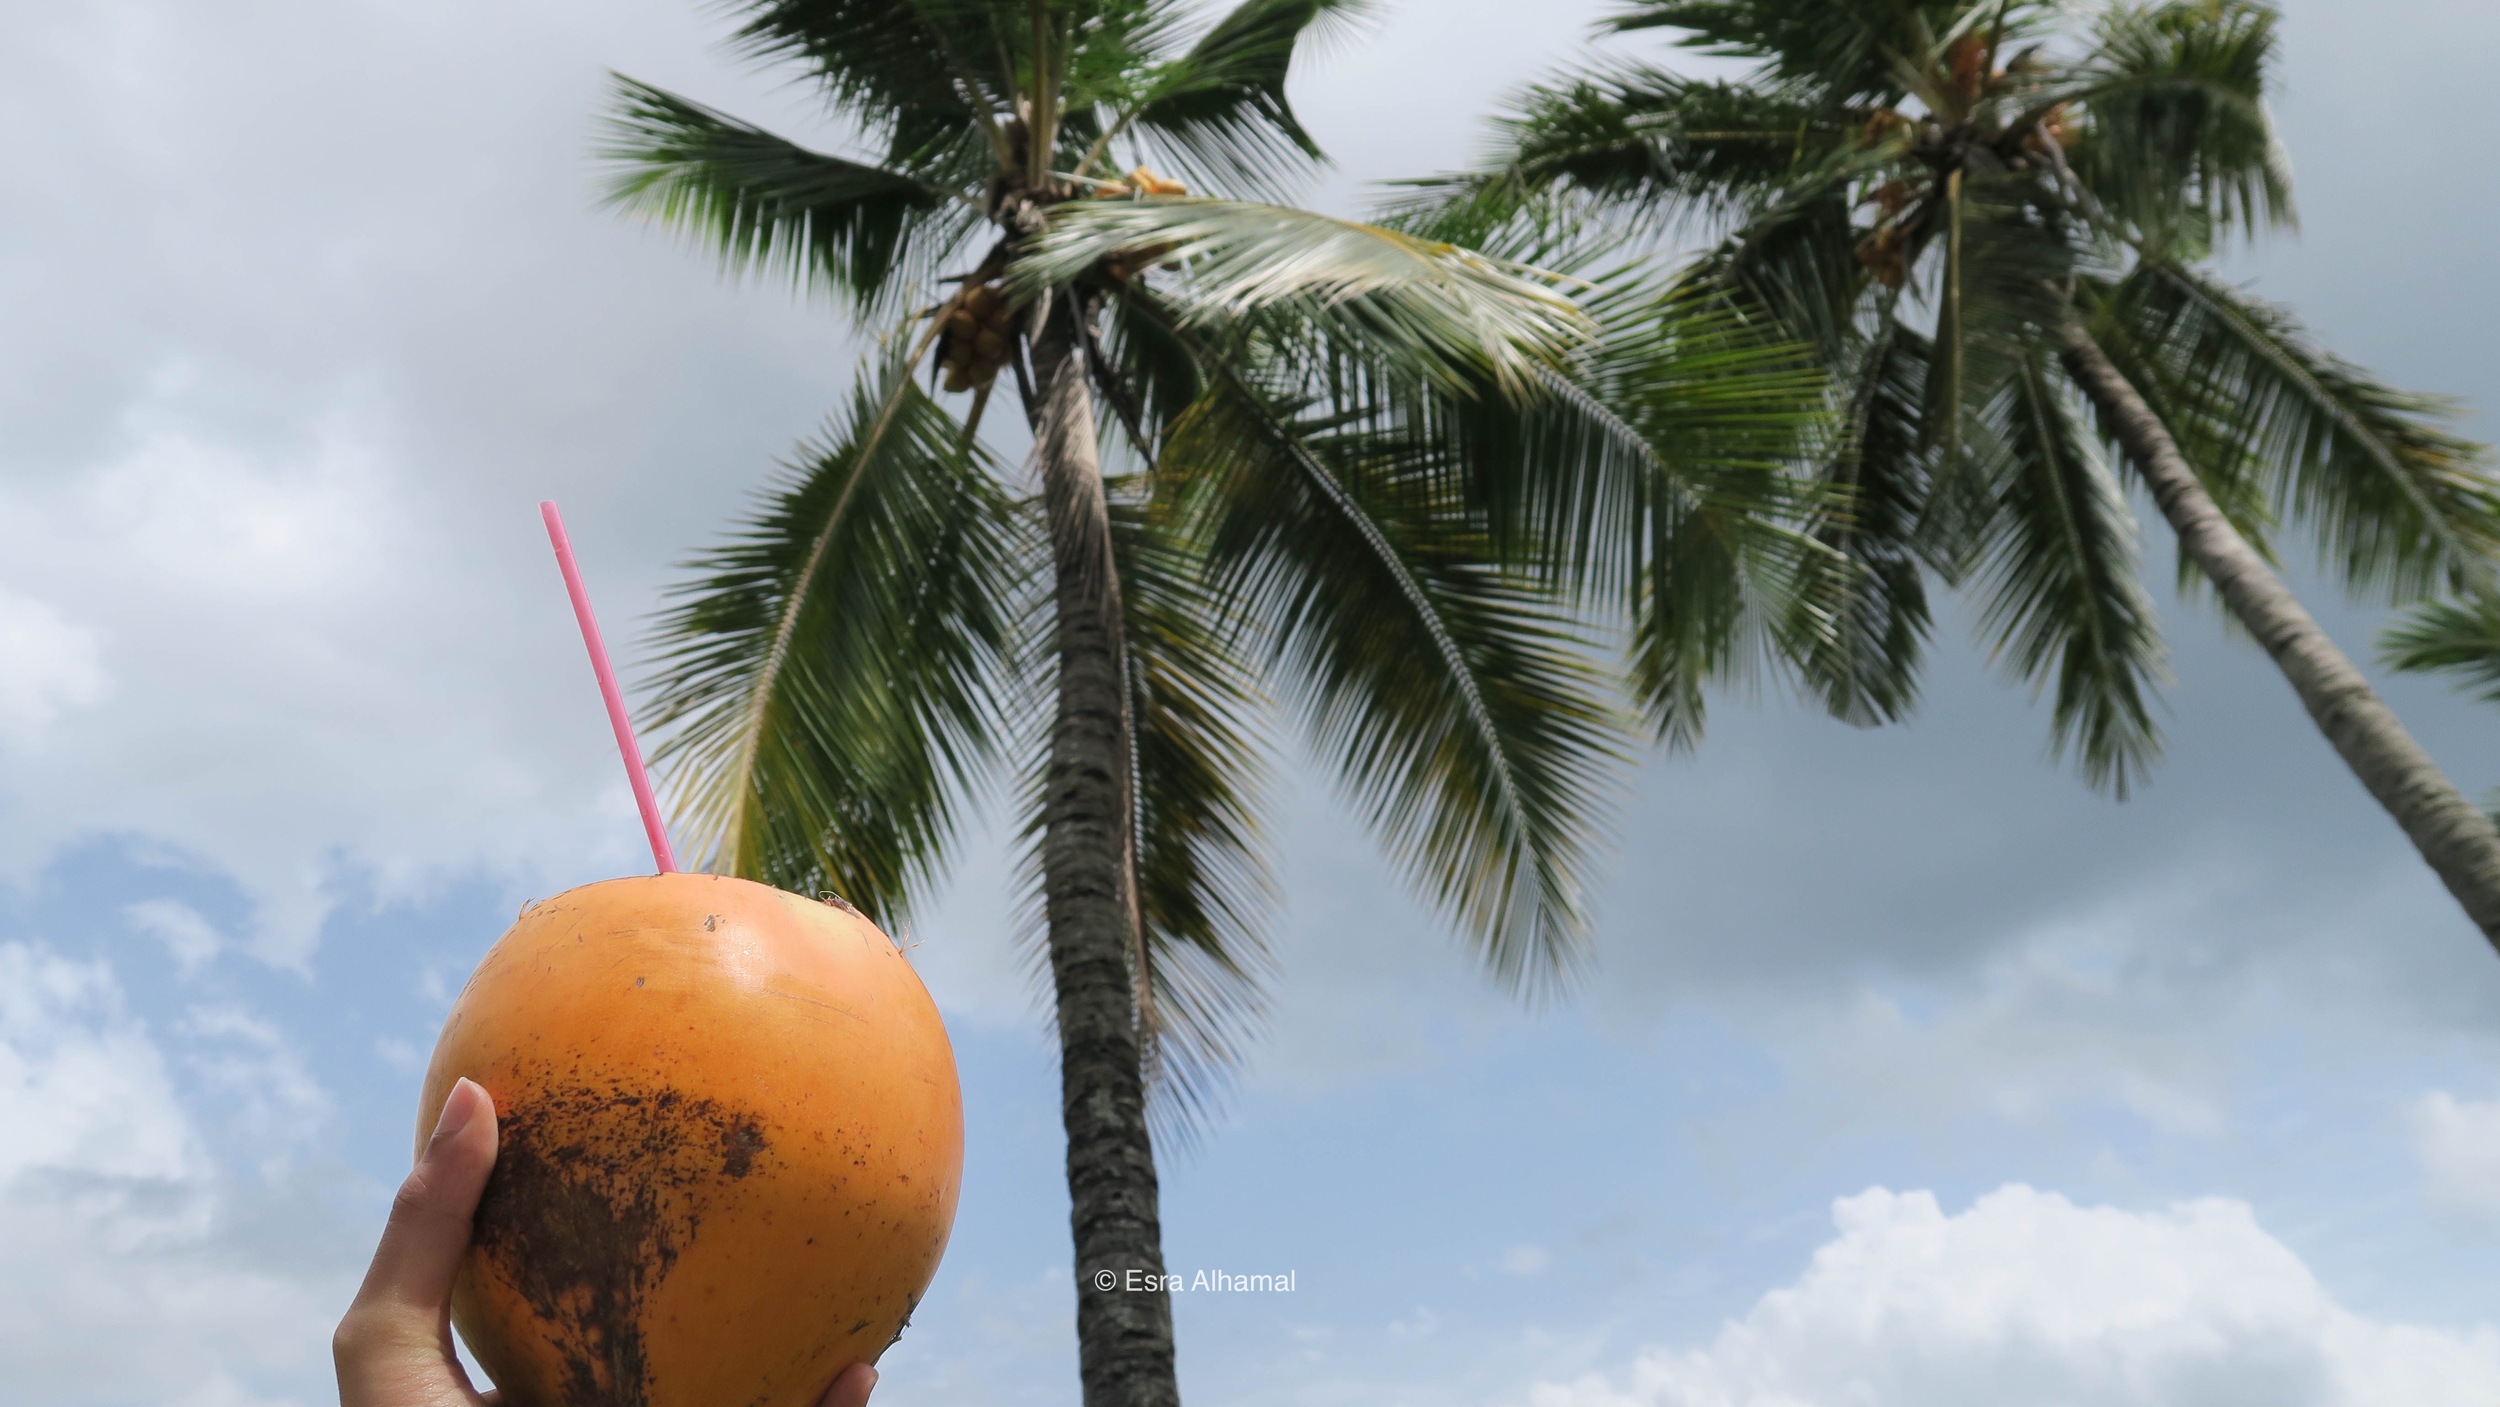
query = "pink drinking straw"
x=607 y=689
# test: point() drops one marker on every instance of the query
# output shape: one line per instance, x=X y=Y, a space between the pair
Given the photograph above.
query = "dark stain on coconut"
x=740 y=1143
x=593 y=1197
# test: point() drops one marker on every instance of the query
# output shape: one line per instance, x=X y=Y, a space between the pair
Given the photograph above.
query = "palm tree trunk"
x=2457 y=840
x=1123 y=1314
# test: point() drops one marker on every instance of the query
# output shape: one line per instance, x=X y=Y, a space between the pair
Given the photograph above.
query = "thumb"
x=850 y=1387
x=406 y=1297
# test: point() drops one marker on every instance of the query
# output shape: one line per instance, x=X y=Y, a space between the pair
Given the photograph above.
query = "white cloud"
x=2458 y=1142
x=400 y=1054
x=280 y=445
x=47 y=664
x=1424 y=1323
x=82 y=1087
x=273 y=614
x=2026 y=1297
x=1526 y=1258
x=2037 y=1028
x=278 y=1104
x=137 y=1272
x=187 y=934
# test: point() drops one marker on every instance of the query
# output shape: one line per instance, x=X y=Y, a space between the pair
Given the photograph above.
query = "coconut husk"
x=1967 y=60
x=1129 y=263
x=1881 y=123
x=1885 y=255
x=976 y=337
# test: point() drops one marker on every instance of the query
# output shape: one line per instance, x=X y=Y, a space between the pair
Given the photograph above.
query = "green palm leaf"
x=766 y=203
x=1413 y=302
x=2062 y=597
x=1796 y=259
x=2004 y=260
x=829 y=678
x=2451 y=638
x=1865 y=666
x=1651 y=477
x=2399 y=505
x=916 y=72
x=1636 y=138
x=2206 y=428
x=1848 y=49
x=1154 y=359
x=2456 y=638
x=1219 y=114
x=1201 y=765
x=1203 y=884
x=2460 y=638
x=2177 y=144
x=1457 y=702
x=1656 y=479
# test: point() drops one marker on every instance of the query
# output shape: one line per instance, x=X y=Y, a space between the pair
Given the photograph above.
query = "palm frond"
x=1434 y=307
x=1950 y=384
x=828 y=681
x=1109 y=54
x=1864 y=663
x=2458 y=638
x=1797 y=260
x=765 y=203
x=2176 y=141
x=1857 y=630
x=2206 y=431
x=912 y=72
x=1218 y=114
x=2062 y=599
x=1203 y=885
x=1663 y=471
x=2400 y=506
x=1633 y=140
x=1457 y=703
x=2005 y=261
x=1156 y=359
x=1849 y=49
x=1650 y=480
x=1656 y=482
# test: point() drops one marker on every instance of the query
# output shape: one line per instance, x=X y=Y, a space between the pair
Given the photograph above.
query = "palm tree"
x=901 y=616
x=1990 y=219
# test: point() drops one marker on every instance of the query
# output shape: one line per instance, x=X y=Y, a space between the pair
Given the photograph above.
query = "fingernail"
x=459 y=1107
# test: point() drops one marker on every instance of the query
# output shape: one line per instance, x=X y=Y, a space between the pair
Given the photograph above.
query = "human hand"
x=393 y=1348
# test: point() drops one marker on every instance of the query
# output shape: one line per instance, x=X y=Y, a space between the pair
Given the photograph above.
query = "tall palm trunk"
x=1124 y=1334
x=2457 y=840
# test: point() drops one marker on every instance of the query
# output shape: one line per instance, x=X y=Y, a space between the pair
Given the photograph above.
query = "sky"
x=1909 y=1070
